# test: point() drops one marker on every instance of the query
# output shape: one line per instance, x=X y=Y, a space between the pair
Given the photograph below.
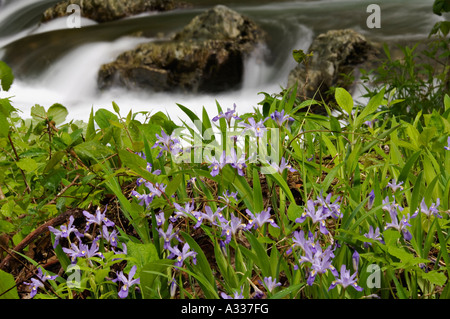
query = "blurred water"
x=55 y=64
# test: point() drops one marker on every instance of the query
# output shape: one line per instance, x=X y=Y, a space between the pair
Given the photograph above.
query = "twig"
x=28 y=189
x=53 y=201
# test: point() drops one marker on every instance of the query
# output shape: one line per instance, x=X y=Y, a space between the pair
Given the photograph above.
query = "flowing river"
x=57 y=64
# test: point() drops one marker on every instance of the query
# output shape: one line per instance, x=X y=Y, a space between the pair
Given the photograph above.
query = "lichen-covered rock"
x=336 y=53
x=206 y=56
x=108 y=10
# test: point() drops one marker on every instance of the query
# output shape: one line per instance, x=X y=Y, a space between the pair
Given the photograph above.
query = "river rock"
x=108 y=10
x=336 y=53
x=206 y=56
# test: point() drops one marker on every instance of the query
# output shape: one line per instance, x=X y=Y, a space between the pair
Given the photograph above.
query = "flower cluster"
x=102 y=235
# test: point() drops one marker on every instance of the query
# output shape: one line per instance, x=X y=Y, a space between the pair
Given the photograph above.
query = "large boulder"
x=206 y=56
x=108 y=10
x=336 y=55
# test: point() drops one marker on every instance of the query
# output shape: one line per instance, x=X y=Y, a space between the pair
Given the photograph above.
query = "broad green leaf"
x=57 y=113
x=142 y=253
x=371 y=107
x=8 y=289
x=435 y=277
x=344 y=100
x=103 y=118
x=27 y=164
x=6 y=76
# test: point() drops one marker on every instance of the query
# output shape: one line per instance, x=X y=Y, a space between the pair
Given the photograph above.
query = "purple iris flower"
x=160 y=219
x=270 y=283
x=149 y=168
x=111 y=237
x=317 y=216
x=237 y=163
x=217 y=165
x=283 y=165
x=257 y=220
x=188 y=209
x=320 y=263
x=127 y=282
x=167 y=143
x=300 y=240
x=228 y=115
x=182 y=254
x=346 y=280
x=374 y=235
x=65 y=231
x=227 y=197
x=257 y=128
x=448 y=144
x=371 y=199
x=370 y=123
x=72 y=252
x=168 y=235
x=155 y=190
x=38 y=283
x=395 y=223
x=209 y=215
x=280 y=117
x=432 y=210
x=99 y=218
x=88 y=252
x=236 y=295
x=334 y=209
x=394 y=186
x=231 y=227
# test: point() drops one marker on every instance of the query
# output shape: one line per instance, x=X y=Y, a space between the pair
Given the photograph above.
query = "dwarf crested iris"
x=180 y=211
x=168 y=235
x=300 y=240
x=374 y=235
x=394 y=186
x=227 y=196
x=127 y=282
x=448 y=144
x=432 y=210
x=237 y=163
x=39 y=283
x=318 y=215
x=182 y=255
x=217 y=165
x=280 y=118
x=258 y=219
x=228 y=115
x=346 y=280
x=395 y=223
x=270 y=283
x=282 y=166
x=65 y=231
x=99 y=218
x=231 y=227
x=257 y=128
x=209 y=215
x=167 y=143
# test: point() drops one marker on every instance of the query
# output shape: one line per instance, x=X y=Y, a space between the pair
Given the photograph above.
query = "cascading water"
x=54 y=64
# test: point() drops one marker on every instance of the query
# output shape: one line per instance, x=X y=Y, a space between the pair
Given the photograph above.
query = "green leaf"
x=115 y=107
x=142 y=253
x=202 y=261
x=258 y=205
x=104 y=117
x=92 y=150
x=344 y=100
x=38 y=112
x=8 y=289
x=6 y=76
x=371 y=107
x=57 y=113
x=90 y=130
x=435 y=277
x=27 y=164
x=150 y=272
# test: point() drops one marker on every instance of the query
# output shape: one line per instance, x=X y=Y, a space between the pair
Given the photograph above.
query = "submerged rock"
x=108 y=10
x=206 y=56
x=336 y=55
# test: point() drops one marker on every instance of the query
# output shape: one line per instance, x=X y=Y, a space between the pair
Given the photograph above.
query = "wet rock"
x=108 y=10
x=206 y=56
x=337 y=54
